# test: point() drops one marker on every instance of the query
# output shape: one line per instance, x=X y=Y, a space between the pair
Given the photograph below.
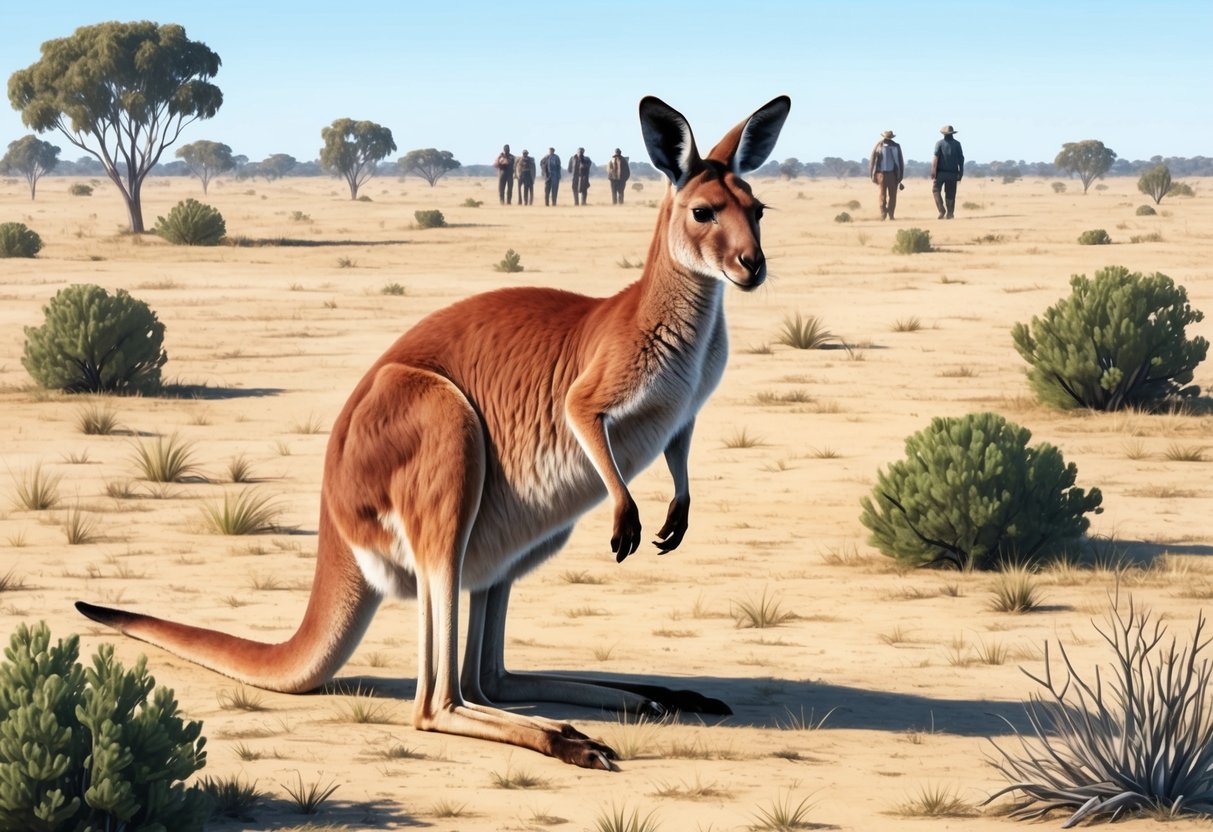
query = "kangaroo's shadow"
x=767 y=703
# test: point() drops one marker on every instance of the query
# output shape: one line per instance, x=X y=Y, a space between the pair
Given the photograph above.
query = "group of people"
x=887 y=167
x=511 y=168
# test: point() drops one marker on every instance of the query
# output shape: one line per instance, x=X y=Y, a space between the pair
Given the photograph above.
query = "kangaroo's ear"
x=749 y=144
x=669 y=140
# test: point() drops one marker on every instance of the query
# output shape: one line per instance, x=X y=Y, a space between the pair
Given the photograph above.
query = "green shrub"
x=1155 y=183
x=18 y=241
x=1059 y=187
x=1181 y=189
x=84 y=749
x=94 y=342
x=512 y=262
x=80 y=189
x=842 y=216
x=192 y=223
x=1094 y=237
x=853 y=204
x=1117 y=341
x=971 y=493
x=1146 y=211
x=472 y=203
x=912 y=241
x=430 y=219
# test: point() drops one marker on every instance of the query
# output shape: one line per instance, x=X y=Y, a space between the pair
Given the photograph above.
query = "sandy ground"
x=878 y=691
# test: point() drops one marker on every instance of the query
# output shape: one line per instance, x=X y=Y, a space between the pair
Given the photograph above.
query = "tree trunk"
x=134 y=205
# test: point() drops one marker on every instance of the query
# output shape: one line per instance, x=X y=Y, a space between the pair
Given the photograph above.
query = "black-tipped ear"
x=759 y=134
x=668 y=138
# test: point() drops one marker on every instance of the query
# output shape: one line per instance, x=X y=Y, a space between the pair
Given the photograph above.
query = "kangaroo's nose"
x=755 y=265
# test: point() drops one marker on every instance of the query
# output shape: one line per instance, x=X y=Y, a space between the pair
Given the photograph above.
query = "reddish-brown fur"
x=468 y=450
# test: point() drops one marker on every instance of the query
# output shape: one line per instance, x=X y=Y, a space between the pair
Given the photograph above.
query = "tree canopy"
x=1089 y=159
x=276 y=166
x=31 y=157
x=353 y=149
x=1156 y=182
x=430 y=164
x=122 y=92
x=206 y=160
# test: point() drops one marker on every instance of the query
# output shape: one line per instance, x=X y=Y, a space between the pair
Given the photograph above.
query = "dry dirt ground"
x=881 y=687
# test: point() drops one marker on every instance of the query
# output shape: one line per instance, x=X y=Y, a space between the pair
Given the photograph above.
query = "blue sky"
x=1015 y=78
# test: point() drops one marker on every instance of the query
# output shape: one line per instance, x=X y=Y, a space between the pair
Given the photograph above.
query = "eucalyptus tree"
x=122 y=92
x=1090 y=159
x=206 y=160
x=430 y=164
x=30 y=157
x=353 y=149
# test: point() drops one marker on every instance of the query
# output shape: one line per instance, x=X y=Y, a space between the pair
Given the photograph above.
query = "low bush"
x=84 y=748
x=95 y=342
x=1059 y=187
x=472 y=203
x=1146 y=211
x=912 y=241
x=973 y=494
x=430 y=219
x=512 y=262
x=1117 y=341
x=1094 y=237
x=192 y=223
x=16 y=240
x=80 y=189
x=842 y=216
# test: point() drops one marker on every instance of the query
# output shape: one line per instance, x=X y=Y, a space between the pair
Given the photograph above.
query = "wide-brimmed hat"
x=888 y=134
x=947 y=130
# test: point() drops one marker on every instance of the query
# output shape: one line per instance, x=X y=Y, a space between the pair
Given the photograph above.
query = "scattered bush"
x=971 y=493
x=1181 y=189
x=393 y=289
x=18 y=241
x=1117 y=341
x=842 y=216
x=94 y=342
x=1155 y=183
x=912 y=241
x=472 y=203
x=637 y=186
x=972 y=206
x=1146 y=211
x=804 y=333
x=853 y=205
x=192 y=223
x=512 y=262
x=1094 y=237
x=1138 y=739
x=83 y=748
x=365 y=198
x=80 y=189
x=1059 y=187
x=430 y=219
x=1152 y=237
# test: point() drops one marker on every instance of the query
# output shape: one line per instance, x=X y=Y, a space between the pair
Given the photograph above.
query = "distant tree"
x=430 y=164
x=31 y=157
x=837 y=167
x=206 y=160
x=1089 y=159
x=1156 y=183
x=353 y=149
x=790 y=168
x=276 y=166
x=130 y=88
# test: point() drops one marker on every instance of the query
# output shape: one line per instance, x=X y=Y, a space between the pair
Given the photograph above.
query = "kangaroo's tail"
x=338 y=612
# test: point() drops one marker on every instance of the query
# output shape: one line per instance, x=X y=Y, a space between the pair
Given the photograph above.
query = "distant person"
x=618 y=173
x=579 y=166
x=524 y=169
x=505 y=175
x=947 y=168
x=549 y=166
x=887 y=167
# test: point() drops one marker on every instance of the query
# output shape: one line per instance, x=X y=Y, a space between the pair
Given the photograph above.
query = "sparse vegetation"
x=431 y=218
x=16 y=240
x=760 y=613
x=512 y=262
x=1058 y=187
x=1117 y=341
x=1156 y=182
x=842 y=216
x=912 y=241
x=972 y=493
x=163 y=459
x=96 y=419
x=1015 y=591
x=35 y=489
x=394 y=289
x=308 y=797
x=622 y=819
x=192 y=223
x=804 y=333
x=785 y=814
x=1094 y=237
x=80 y=189
x=472 y=203
x=1145 y=211
x=231 y=797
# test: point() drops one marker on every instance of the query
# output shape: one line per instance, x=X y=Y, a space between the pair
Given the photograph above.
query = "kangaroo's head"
x=713 y=220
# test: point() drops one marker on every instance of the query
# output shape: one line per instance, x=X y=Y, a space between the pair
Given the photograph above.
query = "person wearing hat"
x=524 y=172
x=947 y=168
x=504 y=163
x=580 y=167
x=887 y=167
x=618 y=173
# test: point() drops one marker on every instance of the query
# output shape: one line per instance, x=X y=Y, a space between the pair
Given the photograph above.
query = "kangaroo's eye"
x=758 y=212
x=703 y=214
